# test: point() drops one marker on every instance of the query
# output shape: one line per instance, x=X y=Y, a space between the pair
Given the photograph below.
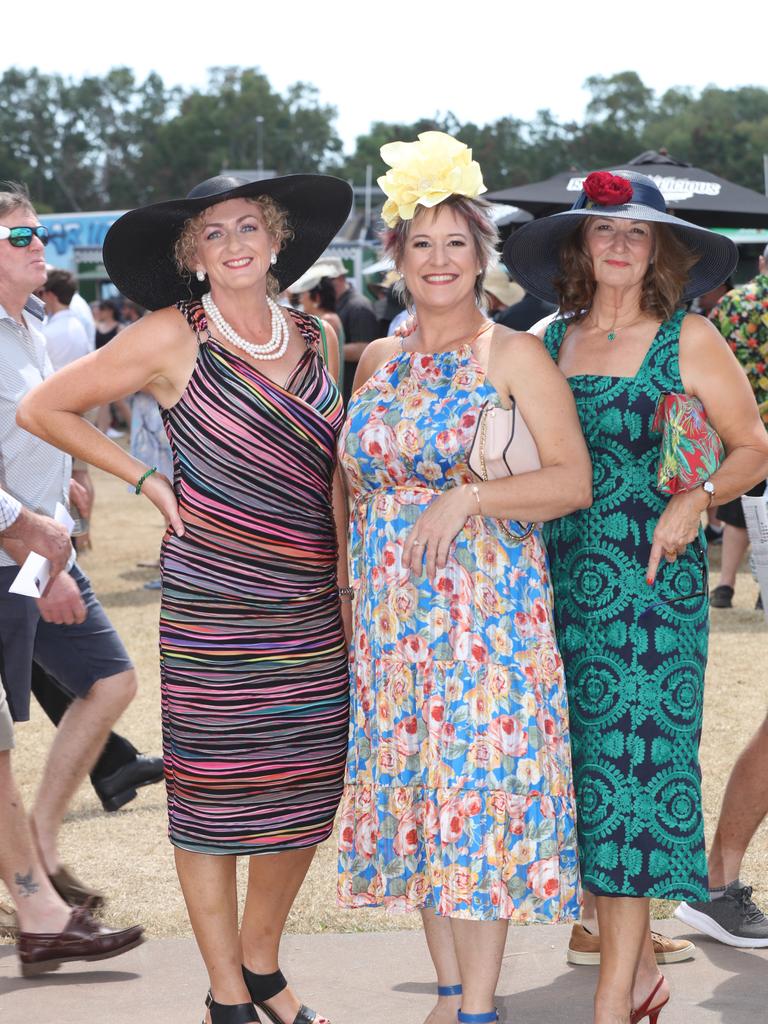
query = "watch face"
x=709 y=487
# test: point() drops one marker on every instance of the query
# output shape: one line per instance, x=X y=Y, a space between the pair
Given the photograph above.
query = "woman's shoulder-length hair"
x=663 y=284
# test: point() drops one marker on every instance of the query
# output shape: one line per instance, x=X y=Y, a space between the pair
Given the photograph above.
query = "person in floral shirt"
x=741 y=316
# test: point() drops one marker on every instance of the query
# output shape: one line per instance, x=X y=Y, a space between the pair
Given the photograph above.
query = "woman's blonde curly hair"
x=275 y=221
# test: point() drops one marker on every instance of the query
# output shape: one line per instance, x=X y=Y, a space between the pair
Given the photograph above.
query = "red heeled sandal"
x=647 y=1010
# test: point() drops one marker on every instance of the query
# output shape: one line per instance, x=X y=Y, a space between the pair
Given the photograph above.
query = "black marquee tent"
x=696 y=195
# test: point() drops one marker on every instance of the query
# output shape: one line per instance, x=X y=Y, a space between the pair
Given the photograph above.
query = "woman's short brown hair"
x=664 y=281
x=275 y=221
x=482 y=229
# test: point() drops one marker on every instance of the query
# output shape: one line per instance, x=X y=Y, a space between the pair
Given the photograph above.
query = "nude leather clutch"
x=503 y=445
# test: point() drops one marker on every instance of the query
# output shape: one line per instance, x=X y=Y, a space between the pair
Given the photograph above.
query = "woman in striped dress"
x=254 y=676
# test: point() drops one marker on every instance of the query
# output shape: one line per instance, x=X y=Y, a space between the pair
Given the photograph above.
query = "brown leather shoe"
x=584 y=948
x=82 y=939
x=73 y=891
x=9 y=923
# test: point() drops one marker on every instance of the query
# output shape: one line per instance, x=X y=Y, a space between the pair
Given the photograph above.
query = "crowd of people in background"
x=522 y=742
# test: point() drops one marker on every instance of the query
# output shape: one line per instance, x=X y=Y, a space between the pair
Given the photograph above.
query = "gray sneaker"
x=733 y=918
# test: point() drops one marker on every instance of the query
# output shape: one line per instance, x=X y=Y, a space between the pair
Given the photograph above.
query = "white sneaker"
x=734 y=918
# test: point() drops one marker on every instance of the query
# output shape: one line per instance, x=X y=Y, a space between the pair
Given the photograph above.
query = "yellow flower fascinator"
x=425 y=173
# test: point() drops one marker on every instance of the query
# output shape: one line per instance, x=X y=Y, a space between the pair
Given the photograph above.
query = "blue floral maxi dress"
x=458 y=791
x=634 y=655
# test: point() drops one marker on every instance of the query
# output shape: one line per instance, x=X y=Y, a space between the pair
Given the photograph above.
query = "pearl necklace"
x=275 y=348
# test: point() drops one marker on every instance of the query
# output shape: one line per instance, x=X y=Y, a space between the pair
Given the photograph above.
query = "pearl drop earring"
x=200 y=275
x=273 y=258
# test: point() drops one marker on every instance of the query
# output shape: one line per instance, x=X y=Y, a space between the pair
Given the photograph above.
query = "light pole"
x=259 y=142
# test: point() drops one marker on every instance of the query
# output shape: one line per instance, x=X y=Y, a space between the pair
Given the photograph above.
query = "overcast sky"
x=397 y=60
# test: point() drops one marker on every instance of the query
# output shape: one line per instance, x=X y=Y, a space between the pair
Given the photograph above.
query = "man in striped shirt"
x=50 y=930
x=66 y=630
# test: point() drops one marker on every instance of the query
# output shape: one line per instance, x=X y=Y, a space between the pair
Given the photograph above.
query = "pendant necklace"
x=275 y=348
x=614 y=330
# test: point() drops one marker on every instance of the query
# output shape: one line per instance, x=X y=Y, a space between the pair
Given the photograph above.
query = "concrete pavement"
x=379 y=978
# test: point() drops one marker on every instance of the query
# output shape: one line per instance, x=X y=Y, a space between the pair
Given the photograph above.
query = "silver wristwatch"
x=709 y=488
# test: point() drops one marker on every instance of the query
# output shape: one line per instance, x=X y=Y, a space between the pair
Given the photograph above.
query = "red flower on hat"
x=607 y=189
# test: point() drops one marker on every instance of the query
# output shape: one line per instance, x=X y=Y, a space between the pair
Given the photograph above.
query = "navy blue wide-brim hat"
x=532 y=252
x=139 y=247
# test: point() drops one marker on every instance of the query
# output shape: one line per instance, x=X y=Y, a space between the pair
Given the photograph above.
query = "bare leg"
x=589 y=913
x=79 y=740
x=735 y=544
x=209 y=885
x=628 y=970
x=38 y=905
x=439 y=936
x=273 y=882
x=745 y=805
x=479 y=949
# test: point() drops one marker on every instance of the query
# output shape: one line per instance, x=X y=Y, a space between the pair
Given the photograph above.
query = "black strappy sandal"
x=230 y=1013
x=265 y=986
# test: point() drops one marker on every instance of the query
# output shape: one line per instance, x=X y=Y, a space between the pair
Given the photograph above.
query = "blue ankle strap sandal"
x=478 y=1018
x=449 y=990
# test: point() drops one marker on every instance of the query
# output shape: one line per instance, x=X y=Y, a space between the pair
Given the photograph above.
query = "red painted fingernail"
x=649 y=580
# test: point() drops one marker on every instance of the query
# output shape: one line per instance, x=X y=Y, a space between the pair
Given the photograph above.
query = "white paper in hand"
x=32 y=578
x=756 y=518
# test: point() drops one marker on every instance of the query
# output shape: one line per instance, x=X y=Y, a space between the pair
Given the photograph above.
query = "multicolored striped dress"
x=254 y=676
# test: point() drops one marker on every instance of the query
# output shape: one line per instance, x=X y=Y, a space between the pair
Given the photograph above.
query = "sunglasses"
x=21 y=237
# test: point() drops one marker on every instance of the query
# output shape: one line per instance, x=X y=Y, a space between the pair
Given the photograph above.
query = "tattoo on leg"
x=26 y=884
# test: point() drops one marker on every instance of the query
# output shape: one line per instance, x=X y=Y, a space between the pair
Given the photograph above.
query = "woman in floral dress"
x=458 y=799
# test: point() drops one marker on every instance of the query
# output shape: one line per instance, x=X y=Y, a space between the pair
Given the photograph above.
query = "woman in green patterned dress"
x=630 y=573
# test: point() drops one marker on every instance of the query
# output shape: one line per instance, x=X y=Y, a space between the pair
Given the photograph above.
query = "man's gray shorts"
x=75 y=656
x=6 y=724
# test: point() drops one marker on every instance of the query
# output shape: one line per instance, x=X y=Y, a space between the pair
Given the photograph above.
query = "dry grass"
x=128 y=854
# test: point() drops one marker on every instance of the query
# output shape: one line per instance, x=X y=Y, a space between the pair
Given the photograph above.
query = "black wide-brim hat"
x=532 y=252
x=138 y=248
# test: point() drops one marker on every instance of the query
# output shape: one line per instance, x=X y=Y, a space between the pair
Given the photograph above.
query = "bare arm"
x=563 y=483
x=521 y=367
x=341 y=520
x=33 y=532
x=710 y=371
x=156 y=355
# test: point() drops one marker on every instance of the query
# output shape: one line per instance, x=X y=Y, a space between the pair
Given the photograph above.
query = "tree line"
x=113 y=142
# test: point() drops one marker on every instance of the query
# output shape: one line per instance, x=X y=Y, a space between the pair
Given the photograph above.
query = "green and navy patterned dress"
x=634 y=655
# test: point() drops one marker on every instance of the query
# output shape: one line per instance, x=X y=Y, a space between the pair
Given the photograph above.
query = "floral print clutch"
x=691 y=449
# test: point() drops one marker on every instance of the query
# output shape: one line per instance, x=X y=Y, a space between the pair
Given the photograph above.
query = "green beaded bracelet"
x=143 y=477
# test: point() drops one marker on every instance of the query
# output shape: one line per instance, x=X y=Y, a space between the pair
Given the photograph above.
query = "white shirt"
x=66 y=338
x=31 y=470
x=82 y=311
x=10 y=510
